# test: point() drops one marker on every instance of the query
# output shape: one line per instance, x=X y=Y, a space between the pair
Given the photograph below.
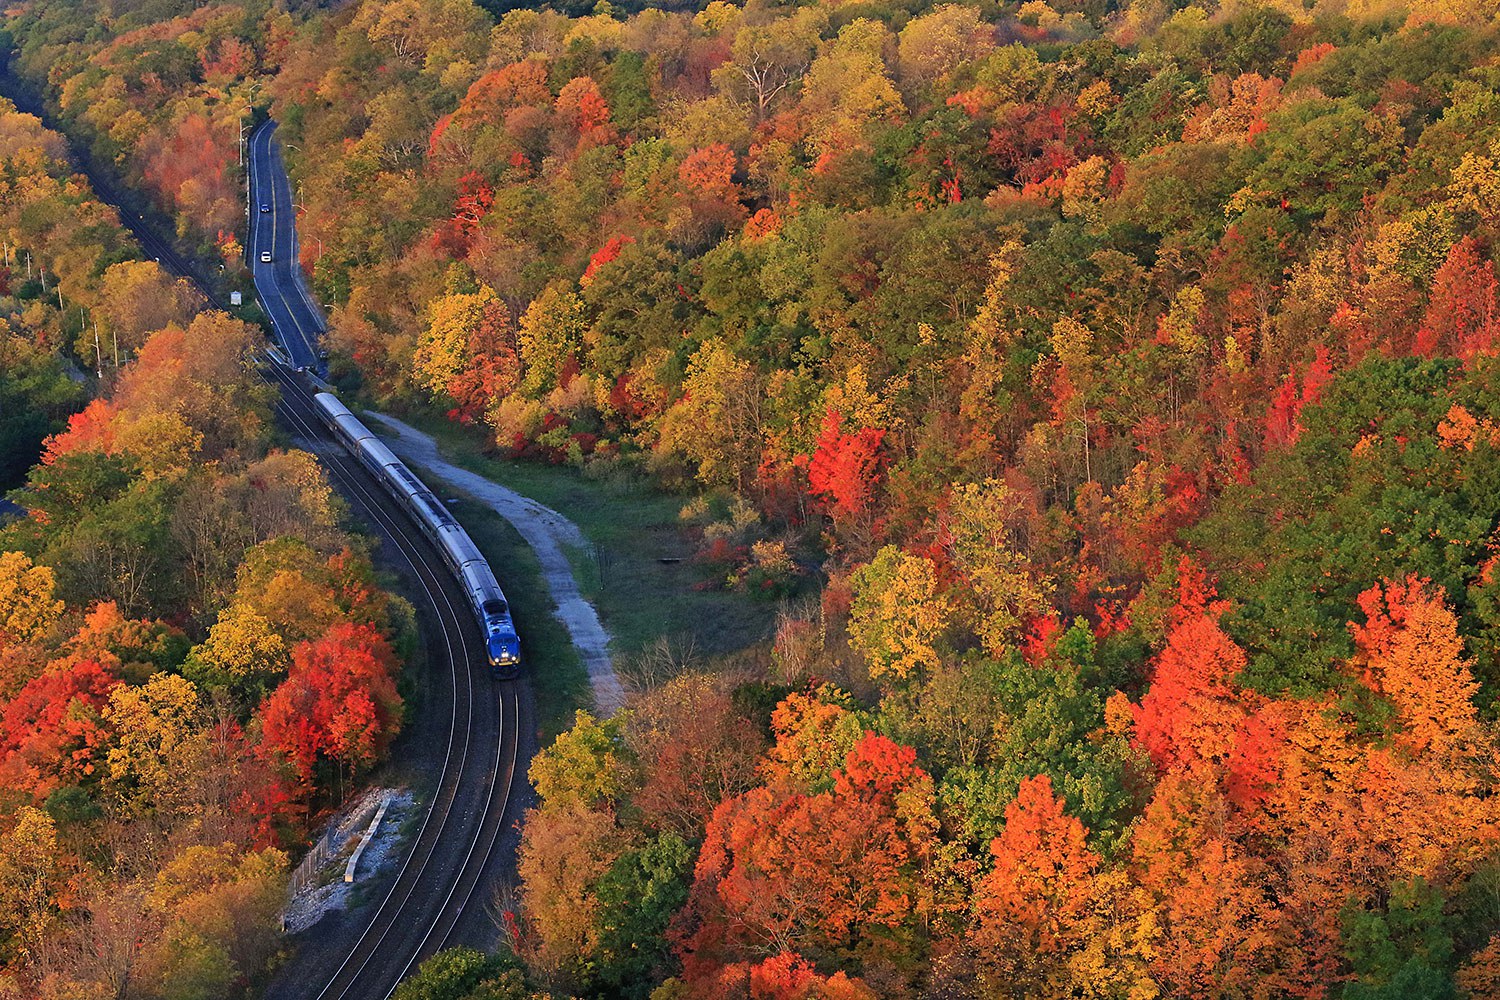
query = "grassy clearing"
x=558 y=679
x=632 y=528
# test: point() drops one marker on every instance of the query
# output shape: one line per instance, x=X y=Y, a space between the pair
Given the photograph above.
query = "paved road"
x=273 y=229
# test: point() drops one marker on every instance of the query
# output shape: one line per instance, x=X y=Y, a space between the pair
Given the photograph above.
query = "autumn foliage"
x=1099 y=398
x=844 y=467
x=194 y=659
x=338 y=704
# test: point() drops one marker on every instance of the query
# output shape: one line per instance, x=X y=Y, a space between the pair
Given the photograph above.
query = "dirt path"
x=549 y=534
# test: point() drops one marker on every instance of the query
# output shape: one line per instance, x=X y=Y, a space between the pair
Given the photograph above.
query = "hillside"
x=1108 y=394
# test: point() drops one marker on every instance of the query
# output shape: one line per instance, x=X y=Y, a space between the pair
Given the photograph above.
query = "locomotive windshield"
x=505 y=654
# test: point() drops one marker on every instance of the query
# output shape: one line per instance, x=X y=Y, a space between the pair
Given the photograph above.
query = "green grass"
x=558 y=679
x=632 y=526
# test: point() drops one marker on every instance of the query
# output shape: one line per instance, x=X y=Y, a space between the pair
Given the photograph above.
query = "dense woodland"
x=1113 y=387
x=195 y=661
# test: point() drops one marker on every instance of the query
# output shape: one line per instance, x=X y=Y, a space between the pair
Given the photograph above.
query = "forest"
x=1104 y=393
x=195 y=659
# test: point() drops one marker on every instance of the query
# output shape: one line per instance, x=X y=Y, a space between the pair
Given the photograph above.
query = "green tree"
x=1403 y=951
x=638 y=897
x=465 y=974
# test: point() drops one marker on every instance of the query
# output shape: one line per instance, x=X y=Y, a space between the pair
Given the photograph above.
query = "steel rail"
x=384 y=916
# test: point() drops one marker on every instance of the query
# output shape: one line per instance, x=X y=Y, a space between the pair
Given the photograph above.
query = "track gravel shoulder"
x=548 y=533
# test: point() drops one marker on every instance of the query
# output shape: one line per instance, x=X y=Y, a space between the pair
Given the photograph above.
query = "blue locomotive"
x=458 y=549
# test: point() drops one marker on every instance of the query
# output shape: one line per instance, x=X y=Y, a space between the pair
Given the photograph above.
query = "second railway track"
x=445 y=868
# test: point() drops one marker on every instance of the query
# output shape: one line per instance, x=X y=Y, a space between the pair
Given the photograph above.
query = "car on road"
x=265 y=208
x=265 y=256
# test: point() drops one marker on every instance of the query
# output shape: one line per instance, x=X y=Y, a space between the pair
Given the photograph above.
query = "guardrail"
x=332 y=841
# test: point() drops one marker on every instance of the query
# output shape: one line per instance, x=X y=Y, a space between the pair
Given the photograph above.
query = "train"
x=462 y=556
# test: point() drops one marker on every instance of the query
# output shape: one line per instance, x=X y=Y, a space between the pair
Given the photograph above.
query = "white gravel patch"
x=549 y=534
x=329 y=891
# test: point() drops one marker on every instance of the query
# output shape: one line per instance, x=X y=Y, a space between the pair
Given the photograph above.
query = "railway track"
x=433 y=898
x=440 y=876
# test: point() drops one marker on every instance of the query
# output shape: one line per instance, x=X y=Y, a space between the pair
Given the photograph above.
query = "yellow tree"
x=899 y=614
x=551 y=330
x=1006 y=593
x=220 y=908
x=586 y=765
x=164 y=444
x=287 y=493
x=466 y=350
x=244 y=647
x=139 y=299
x=847 y=91
x=716 y=424
x=769 y=59
x=27 y=607
x=814 y=735
x=29 y=880
x=161 y=745
x=936 y=43
x=565 y=849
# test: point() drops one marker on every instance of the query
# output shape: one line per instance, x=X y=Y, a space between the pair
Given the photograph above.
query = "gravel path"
x=548 y=533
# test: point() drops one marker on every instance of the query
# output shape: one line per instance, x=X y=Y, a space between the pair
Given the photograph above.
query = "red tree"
x=787 y=976
x=471 y=204
x=1461 y=318
x=90 y=430
x=604 y=255
x=1033 y=904
x=338 y=703
x=1284 y=416
x=52 y=730
x=827 y=870
x=710 y=190
x=844 y=468
x=1192 y=711
x=581 y=106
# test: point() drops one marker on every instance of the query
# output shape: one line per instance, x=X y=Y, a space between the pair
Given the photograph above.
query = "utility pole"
x=98 y=355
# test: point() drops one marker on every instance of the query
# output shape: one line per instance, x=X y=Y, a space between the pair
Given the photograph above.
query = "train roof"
x=377 y=450
x=401 y=472
x=351 y=426
x=431 y=504
x=480 y=580
x=331 y=404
